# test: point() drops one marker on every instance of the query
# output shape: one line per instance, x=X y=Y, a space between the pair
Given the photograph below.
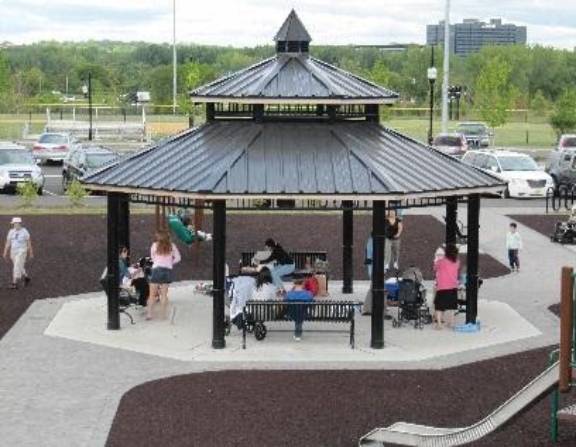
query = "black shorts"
x=161 y=275
x=446 y=300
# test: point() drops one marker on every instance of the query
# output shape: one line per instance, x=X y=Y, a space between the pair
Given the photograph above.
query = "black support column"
x=472 y=258
x=124 y=221
x=219 y=247
x=451 y=219
x=112 y=279
x=347 y=246
x=379 y=239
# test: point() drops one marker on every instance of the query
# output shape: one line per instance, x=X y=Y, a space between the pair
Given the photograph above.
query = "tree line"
x=494 y=79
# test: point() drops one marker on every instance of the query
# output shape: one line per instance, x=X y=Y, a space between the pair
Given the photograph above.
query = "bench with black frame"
x=301 y=260
x=256 y=313
x=126 y=300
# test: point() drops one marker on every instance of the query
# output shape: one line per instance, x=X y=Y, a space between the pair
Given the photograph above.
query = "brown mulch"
x=71 y=250
x=330 y=408
x=543 y=223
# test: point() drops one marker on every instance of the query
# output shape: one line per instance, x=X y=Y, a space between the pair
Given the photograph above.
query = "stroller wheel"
x=227 y=326
x=260 y=331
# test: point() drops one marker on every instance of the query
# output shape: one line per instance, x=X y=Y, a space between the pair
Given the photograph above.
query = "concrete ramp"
x=403 y=433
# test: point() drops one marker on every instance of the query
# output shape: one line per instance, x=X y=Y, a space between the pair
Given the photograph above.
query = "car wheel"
x=40 y=191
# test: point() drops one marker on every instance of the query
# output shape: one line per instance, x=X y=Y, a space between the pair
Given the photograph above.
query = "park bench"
x=256 y=313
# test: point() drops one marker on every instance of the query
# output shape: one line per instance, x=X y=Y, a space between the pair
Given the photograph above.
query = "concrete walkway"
x=61 y=392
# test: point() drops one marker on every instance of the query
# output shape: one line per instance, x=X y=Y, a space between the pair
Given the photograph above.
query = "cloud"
x=254 y=22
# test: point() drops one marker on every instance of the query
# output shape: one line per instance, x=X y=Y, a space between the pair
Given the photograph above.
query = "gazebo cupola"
x=293 y=85
x=292 y=36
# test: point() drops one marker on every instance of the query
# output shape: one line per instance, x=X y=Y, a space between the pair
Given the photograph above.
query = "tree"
x=4 y=74
x=563 y=120
x=492 y=92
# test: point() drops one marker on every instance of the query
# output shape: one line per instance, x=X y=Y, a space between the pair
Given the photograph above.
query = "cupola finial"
x=292 y=36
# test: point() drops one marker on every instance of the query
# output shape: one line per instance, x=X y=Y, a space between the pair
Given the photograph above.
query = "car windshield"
x=569 y=142
x=52 y=138
x=472 y=129
x=517 y=164
x=96 y=160
x=16 y=157
x=448 y=141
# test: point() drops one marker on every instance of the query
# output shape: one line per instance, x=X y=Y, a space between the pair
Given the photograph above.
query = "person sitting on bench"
x=298 y=294
x=265 y=289
x=132 y=276
x=279 y=262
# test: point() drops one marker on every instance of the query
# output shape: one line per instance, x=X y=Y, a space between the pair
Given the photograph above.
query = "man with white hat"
x=19 y=246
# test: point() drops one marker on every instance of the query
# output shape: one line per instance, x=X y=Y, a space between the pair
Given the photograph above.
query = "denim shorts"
x=161 y=275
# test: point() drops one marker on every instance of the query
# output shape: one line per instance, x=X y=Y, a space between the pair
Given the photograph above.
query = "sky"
x=254 y=22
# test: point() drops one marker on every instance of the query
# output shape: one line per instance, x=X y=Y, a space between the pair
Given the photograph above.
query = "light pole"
x=432 y=74
x=89 y=92
x=174 y=57
x=446 y=67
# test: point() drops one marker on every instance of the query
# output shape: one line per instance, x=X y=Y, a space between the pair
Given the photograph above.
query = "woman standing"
x=392 y=247
x=279 y=262
x=446 y=301
x=164 y=255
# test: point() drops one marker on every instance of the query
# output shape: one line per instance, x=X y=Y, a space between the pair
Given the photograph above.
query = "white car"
x=520 y=171
x=52 y=146
x=17 y=166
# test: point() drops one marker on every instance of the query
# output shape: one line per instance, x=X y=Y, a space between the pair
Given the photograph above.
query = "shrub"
x=28 y=193
x=76 y=193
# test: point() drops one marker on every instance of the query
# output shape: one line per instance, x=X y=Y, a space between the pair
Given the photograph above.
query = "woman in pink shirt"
x=164 y=255
x=446 y=300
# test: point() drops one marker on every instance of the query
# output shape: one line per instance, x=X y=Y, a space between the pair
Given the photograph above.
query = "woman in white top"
x=164 y=255
x=265 y=288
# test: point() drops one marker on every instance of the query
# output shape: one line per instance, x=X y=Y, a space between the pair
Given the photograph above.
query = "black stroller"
x=412 y=305
x=565 y=232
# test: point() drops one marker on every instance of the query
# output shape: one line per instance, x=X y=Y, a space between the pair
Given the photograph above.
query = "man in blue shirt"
x=298 y=295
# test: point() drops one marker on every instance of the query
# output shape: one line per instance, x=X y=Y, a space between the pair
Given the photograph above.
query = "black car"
x=83 y=160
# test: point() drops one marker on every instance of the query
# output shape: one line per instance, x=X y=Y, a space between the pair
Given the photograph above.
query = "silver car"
x=17 y=166
x=52 y=146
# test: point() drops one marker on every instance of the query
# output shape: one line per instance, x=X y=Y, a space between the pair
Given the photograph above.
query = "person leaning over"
x=279 y=262
x=164 y=255
x=19 y=247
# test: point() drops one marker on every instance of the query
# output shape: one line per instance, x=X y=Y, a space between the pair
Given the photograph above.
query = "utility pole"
x=90 y=134
x=174 y=57
x=446 y=67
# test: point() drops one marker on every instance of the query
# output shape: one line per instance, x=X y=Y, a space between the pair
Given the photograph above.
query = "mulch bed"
x=71 y=250
x=543 y=224
x=330 y=408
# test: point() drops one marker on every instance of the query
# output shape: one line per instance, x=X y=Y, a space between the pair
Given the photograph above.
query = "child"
x=298 y=294
x=513 y=245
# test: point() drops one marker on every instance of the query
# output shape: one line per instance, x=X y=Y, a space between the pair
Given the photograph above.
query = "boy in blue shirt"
x=298 y=295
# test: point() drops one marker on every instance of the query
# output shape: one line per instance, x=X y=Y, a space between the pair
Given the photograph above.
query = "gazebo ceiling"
x=236 y=159
x=293 y=77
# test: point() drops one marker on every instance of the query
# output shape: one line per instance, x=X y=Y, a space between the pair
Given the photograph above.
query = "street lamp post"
x=90 y=134
x=432 y=75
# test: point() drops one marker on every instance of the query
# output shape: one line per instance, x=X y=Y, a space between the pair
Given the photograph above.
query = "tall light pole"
x=445 y=80
x=431 y=74
x=174 y=57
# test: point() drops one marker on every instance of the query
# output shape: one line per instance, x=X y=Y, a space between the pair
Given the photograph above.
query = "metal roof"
x=292 y=30
x=279 y=159
x=293 y=76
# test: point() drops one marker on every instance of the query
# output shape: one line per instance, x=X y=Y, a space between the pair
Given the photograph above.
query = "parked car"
x=520 y=171
x=451 y=143
x=82 y=160
x=476 y=134
x=566 y=141
x=561 y=162
x=17 y=165
x=53 y=146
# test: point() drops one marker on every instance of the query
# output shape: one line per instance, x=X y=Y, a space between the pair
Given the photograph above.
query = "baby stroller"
x=565 y=232
x=412 y=300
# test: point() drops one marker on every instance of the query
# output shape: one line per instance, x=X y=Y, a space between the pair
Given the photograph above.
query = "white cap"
x=16 y=220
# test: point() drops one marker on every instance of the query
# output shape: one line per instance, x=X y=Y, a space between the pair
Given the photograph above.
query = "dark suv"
x=83 y=160
x=476 y=134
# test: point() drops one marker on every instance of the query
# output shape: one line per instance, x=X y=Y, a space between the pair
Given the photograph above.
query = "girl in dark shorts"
x=164 y=255
x=446 y=300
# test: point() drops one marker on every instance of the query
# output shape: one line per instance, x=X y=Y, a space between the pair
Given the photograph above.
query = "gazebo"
x=293 y=127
